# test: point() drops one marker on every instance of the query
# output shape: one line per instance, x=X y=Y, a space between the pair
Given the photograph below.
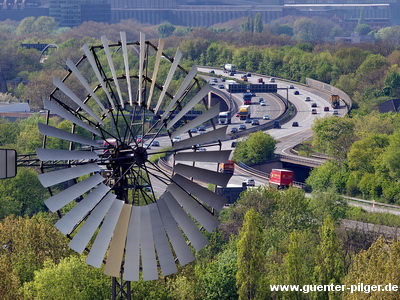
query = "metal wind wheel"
x=122 y=99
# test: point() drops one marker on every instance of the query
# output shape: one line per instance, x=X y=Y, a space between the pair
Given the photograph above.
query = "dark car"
x=295 y=124
x=326 y=108
x=155 y=143
x=296 y=92
x=212 y=72
x=233 y=144
x=221 y=86
x=242 y=127
x=223 y=79
x=248 y=74
x=202 y=128
x=231 y=74
x=234 y=130
x=255 y=122
x=248 y=121
x=313 y=104
x=313 y=111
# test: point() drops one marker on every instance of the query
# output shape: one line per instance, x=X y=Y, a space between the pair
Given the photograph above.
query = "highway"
x=287 y=136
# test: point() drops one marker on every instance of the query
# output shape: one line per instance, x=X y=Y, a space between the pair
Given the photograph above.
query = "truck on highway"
x=224 y=117
x=281 y=178
x=228 y=167
x=247 y=98
x=229 y=68
x=244 y=112
x=335 y=101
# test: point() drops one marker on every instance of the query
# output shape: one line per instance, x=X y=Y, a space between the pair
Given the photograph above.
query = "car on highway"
x=272 y=79
x=221 y=86
x=255 y=122
x=223 y=79
x=307 y=98
x=277 y=124
x=193 y=130
x=265 y=117
x=335 y=112
x=242 y=127
x=248 y=74
x=237 y=115
x=261 y=99
x=263 y=104
x=155 y=143
x=313 y=104
x=234 y=130
x=139 y=139
x=295 y=124
x=291 y=86
x=260 y=80
x=202 y=149
x=176 y=139
x=212 y=72
x=313 y=111
x=215 y=80
x=232 y=74
x=326 y=108
x=249 y=182
x=248 y=121
x=202 y=128
x=296 y=93
x=233 y=144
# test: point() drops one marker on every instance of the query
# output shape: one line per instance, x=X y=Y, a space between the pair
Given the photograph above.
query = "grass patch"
x=155 y=157
x=359 y=214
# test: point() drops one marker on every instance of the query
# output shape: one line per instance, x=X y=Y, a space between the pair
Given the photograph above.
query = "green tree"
x=333 y=136
x=165 y=29
x=44 y=24
x=22 y=195
x=10 y=285
x=26 y=26
x=256 y=149
x=258 y=23
x=218 y=279
x=28 y=242
x=330 y=260
x=250 y=260
x=328 y=203
x=71 y=278
x=376 y=266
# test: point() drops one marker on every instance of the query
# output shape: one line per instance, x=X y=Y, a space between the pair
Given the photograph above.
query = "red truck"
x=281 y=178
x=228 y=167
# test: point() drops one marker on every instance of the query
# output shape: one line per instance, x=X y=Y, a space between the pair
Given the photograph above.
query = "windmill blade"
x=177 y=58
x=132 y=252
x=63 y=113
x=163 y=248
x=66 y=224
x=209 y=156
x=117 y=245
x=205 y=138
x=141 y=65
x=203 y=194
x=126 y=64
x=64 y=197
x=196 y=99
x=182 y=250
x=193 y=233
x=83 y=236
x=61 y=134
x=149 y=263
x=205 y=116
x=155 y=72
x=55 y=177
x=96 y=70
x=188 y=79
x=106 y=48
x=86 y=85
x=56 y=154
x=207 y=220
x=71 y=95
x=203 y=175
x=100 y=245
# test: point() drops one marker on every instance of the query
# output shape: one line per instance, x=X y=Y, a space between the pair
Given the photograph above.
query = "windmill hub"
x=140 y=155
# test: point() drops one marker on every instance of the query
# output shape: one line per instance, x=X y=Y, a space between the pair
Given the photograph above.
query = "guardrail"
x=327 y=88
x=243 y=168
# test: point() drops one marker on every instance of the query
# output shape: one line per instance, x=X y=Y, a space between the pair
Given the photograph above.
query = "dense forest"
x=269 y=236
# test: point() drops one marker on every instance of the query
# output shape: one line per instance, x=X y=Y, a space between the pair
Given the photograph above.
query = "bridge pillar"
x=214 y=99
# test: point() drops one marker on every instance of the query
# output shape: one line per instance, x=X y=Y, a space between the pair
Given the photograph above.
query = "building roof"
x=6 y=107
x=390 y=105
